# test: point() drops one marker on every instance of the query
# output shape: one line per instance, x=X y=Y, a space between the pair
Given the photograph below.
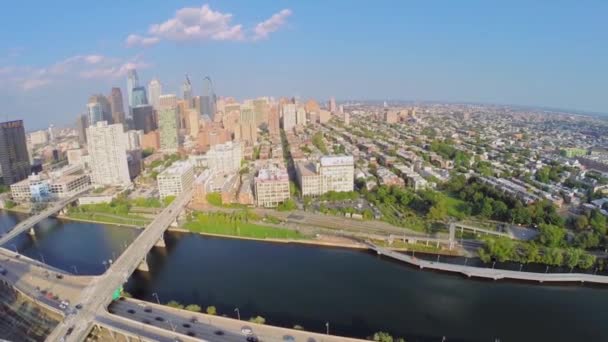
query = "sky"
x=55 y=54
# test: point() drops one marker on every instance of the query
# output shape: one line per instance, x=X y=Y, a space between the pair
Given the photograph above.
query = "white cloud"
x=73 y=68
x=204 y=23
x=272 y=24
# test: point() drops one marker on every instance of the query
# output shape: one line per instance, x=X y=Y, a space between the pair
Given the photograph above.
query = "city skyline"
x=472 y=52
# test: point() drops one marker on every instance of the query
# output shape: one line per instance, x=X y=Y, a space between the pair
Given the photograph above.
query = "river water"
x=356 y=292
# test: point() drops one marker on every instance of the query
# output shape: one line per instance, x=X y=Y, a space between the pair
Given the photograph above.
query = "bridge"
x=30 y=222
x=490 y=273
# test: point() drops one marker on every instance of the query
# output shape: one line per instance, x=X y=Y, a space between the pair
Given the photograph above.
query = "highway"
x=31 y=221
x=98 y=295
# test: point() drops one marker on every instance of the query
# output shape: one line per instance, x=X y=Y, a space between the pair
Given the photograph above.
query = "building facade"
x=108 y=153
x=271 y=186
x=14 y=158
x=175 y=179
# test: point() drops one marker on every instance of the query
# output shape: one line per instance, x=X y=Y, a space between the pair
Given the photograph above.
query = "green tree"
x=168 y=200
x=531 y=253
x=211 y=310
x=572 y=257
x=586 y=261
x=382 y=336
x=553 y=256
x=581 y=222
x=9 y=204
x=551 y=236
x=258 y=320
x=193 y=308
x=175 y=304
x=287 y=205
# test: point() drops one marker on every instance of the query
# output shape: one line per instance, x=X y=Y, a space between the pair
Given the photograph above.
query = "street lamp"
x=105 y=265
x=238 y=313
x=75 y=269
x=15 y=246
x=156 y=296
x=327 y=328
x=42 y=257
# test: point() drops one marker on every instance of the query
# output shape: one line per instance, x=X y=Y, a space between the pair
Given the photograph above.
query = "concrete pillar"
x=143 y=266
x=161 y=242
x=32 y=232
x=175 y=223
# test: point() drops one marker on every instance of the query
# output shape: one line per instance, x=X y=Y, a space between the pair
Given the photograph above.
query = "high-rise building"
x=139 y=97
x=105 y=107
x=14 y=158
x=289 y=116
x=108 y=152
x=117 y=106
x=332 y=105
x=187 y=92
x=260 y=111
x=332 y=173
x=168 y=127
x=324 y=116
x=208 y=100
x=225 y=158
x=81 y=127
x=39 y=137
x=175 y=179
x=274 y=120
x=193 y=122
x=167 y=101
x=95 y=113
x=132 y=83
x=155 y=89
x=300 y=117
x=143 y=118
x=312 y=106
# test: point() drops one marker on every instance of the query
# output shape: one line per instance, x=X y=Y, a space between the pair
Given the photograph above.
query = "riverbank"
x=78 y=219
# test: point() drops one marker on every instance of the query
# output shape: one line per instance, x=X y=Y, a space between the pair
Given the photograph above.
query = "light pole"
x=327 y=328
x=156 y=296
x=238 y=313
x=105 y=265
x=75 y=269
x=42 y=257
x=15 y=246
x=520 y=267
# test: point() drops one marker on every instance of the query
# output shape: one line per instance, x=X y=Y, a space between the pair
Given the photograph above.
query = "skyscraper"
x=155 y=88
x=117 y=106
x=14 y=158
x=208 y=100
x=132 y=82
x=104 y=107
x=274 y=120
x=168 y=127
x=187 y=92
x=81 y=126
x=289 y=116
x=139 y=97
x=95 y=113
x=143 y=118
x=108 y=150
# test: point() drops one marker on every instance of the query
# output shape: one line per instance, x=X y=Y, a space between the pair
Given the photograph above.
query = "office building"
x=332 y=105
x=108 y=153
x=82 y=122
x=225 y=158
x=208 y=100
x=301 y=117
x=155 y=89
x=14 y=158
x=39 y=137
x=143 y=118
x=175 y=179
x=132 y=83
x=331 y=173
x=271 y=186
x=193 y=122
x=95 y=113
x=117 y=106
x=139 y=97
x=187 y=92
x=289 y=116
x=168 y=129
x=324 y=116
x=274 y=121
x=167 y=101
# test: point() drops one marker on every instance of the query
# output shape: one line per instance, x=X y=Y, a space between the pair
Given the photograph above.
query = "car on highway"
x=246 y=330
x=3 y=271
x=252 y=338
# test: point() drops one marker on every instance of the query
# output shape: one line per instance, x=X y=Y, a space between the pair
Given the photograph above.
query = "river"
x=356 y=292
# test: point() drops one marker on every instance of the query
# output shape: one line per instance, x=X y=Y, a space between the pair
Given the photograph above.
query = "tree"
x=287 y=205
x=382 y=336
x=9 y=204
x=572 y=257
x=581 y=222
x=531 y=253
x=168 y=200
x=552 y=256
x=193 y=308
x=257 y=319
x=551 y=236
x=175 y=304
x=598 y=222
x=586 y=261
x=211 y=310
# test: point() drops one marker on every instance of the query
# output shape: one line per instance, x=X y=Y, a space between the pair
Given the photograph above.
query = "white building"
x=108 y=153
x=39 y=138
x=301 y=117
x=271 y=186
x=331 y=173
x=134 y=139
x=225 y=158
x=175 y=179
x=58 y=184
x=289 y=116
x=154 y=90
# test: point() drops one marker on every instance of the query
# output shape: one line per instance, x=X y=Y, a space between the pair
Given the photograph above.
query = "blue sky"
x=54 y=54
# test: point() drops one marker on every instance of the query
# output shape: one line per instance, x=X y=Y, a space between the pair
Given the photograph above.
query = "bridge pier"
x=161 y=242
x=175 y=223
x=143 y=266
x=32 y=232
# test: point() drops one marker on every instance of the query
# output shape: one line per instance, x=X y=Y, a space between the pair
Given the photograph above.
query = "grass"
x=456 y=207
x=215 y=199
x=110 y=218
x=224 y=225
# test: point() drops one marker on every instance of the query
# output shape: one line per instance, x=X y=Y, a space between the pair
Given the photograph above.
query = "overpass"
x=31 y=221
x=98 y=295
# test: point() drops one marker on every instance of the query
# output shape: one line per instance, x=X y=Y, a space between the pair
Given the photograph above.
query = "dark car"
x=252 y=338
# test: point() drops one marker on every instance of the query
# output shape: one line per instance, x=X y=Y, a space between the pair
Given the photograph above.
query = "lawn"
x=224 y=225
x=110 y=218
x=456 y=207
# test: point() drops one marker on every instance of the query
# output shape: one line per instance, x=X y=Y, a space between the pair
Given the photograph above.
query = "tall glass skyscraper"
x=208 y=100
x=95 y=112
x=139 y=97
x=132 y=82
x=14 y=159
x=187 y=92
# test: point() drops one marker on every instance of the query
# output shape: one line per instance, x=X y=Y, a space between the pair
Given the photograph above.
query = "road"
x=98 y=295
